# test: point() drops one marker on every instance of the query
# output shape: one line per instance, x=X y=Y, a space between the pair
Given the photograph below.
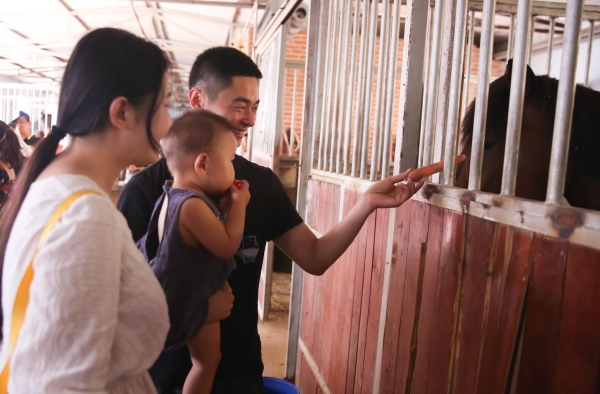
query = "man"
x=23 y=126
x=226 y=81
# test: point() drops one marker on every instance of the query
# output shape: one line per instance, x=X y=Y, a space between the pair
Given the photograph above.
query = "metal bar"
x=391 y=87
x=564 y=103
x=509 y=49
x=214 y=3
x=344 y=73
x=432 y=84
x=467 y=84
x=384 y=98
x=483 y=80
x=350 y=95
x=589 y=54
x=378 y=98
x=368 y=88
x=407 y=143
x=429 y=31
x=550 y=44
x=309 y=119
x=326 y=82
x=335 y=110
x=515 y=104
x=530 y=47
x=293 y=125
x=361 y=91
x=331 y=90
x=454 y=96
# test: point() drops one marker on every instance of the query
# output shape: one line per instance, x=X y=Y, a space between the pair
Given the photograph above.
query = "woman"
x=10 y=160
x=96 y=318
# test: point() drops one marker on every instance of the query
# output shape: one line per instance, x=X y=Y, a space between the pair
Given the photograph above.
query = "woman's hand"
x=391 y=192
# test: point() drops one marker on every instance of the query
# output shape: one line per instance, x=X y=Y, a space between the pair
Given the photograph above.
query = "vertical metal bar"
x=515 y=104
x=532 y=32
x=550 y=44
x=383 y=87
x=427 y=61
x=350 y=95
x=454 y=96
x=293 y=125
x=589 y=53
x=326 y=82
x=331 y=86
x=311 y=93
x=380 y=82
x=391 y=87
x=564 y=103
x=368 y=89
x=344 y=82
x=432 y=83
x=361 y=91
x=467 y=84
x=335 y=91
x=511 y=33
x=483 y=78
x=407 y=143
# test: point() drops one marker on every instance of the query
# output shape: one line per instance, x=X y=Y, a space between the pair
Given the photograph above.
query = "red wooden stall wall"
x=466 y=296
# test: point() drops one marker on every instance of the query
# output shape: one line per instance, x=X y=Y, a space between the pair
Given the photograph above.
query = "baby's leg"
x=205 y=351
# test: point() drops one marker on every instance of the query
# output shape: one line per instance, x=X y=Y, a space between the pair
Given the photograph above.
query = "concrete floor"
x=273 y=332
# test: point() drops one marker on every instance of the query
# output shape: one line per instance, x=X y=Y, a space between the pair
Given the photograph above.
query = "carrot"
x=431 y=169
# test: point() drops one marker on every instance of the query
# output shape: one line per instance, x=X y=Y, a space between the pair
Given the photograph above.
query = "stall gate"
x=265 y=137
x=457 y=291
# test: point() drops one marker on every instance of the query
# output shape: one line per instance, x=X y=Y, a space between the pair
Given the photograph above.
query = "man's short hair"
x=214 y=68
x=194 y=132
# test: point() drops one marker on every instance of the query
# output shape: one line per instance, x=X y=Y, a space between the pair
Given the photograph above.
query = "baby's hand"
x=240 y=192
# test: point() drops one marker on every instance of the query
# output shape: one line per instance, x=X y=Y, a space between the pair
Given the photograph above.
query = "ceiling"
x=37 y=36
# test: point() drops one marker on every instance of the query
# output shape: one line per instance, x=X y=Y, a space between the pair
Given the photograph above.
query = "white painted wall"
x=539 y=61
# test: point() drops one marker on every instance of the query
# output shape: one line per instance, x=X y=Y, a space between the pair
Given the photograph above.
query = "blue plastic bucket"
x=278 y=386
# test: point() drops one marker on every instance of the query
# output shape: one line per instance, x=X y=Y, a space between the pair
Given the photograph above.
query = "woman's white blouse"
x=97 y=317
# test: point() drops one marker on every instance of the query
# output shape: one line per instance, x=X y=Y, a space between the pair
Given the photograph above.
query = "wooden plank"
x=307 y=382
x=579 y=342
x=542 y=315
x=405 y=356
x=358 y=263
x=426 y=327
x=381 y=229
x=341 y=340
x=478 y=257
x=447 y=301
x=364 y=310
x=395 y=299
x=509 y=282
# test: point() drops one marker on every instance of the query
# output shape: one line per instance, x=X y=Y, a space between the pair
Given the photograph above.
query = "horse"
x=582 y=184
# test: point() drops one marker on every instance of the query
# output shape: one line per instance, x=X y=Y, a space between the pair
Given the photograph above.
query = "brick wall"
x=296 y=51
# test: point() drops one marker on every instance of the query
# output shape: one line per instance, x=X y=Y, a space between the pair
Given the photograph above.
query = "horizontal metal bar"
x=540 y=8
x=214 y=3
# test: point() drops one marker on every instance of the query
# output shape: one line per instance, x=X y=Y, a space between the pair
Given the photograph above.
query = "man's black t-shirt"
x=269 y=214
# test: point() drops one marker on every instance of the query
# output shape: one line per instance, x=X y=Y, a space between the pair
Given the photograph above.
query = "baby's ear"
x=201 y=164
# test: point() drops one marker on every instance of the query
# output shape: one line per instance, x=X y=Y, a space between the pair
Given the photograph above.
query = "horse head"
x=536 y=141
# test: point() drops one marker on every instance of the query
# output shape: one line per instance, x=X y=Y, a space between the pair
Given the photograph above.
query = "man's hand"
x=391 y=192
x=220 y=304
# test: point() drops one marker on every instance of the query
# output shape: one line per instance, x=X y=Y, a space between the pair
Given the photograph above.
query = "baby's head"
x=200 y=148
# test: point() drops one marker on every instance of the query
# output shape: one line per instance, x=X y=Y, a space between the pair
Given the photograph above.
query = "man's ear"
x=201 y=164
x=197 y=98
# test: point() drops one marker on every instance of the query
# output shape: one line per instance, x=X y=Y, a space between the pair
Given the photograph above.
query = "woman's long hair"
x=105 y=64
x=10 y=150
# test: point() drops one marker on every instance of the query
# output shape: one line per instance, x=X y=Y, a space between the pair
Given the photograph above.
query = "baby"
x=198 y=239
